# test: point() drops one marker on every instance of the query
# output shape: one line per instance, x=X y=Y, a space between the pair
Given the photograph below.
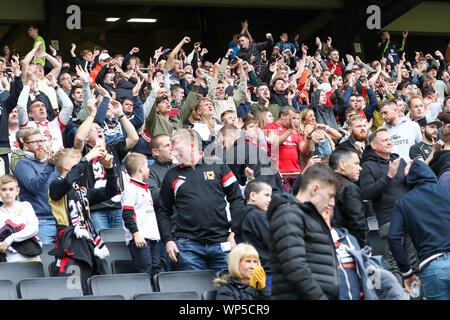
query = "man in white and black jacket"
x=7 y=104
x=302 y=253
x=195 y=191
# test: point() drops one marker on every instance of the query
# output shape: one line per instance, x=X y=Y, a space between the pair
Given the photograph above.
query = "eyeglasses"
x=35 y=142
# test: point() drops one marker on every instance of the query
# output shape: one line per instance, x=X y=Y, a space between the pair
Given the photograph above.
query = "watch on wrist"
x=121 y=116
x=83 y=160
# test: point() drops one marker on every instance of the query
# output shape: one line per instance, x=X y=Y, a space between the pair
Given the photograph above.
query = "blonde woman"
x=246 y=279
x=264 y=118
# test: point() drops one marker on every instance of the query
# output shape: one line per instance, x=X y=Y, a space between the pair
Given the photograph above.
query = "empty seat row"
x=26 y=280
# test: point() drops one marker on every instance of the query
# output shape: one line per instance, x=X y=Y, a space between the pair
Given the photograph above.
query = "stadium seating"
x=127 y=285
x=17 y=271
x=46 y=258
x=7 y=290
x=122 y=266
x=109 y=297
x=179 y=295
x=209 y=295
x=117 y=251
x=51 y=288
x=113 y=235
x=197 y=280
x=374 y=237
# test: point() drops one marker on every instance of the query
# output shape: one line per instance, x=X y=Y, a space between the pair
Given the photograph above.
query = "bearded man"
x=359 y=136
x=425 y=149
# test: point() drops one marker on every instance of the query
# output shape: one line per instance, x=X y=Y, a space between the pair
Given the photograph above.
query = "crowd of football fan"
x=266 y=162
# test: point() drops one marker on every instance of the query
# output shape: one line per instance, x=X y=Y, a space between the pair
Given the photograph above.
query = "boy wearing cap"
x=425 y=149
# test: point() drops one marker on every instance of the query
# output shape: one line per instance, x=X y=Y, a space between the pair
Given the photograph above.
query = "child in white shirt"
x=19 y=216
x=142 y=233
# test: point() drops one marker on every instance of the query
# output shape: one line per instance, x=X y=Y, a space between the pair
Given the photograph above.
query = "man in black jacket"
x=302 y=253
x=196 y=190
x=349 y=208
x=6 y=106
x=161 y=148
x=249 y=49
x=238 y=154
x=383 y=181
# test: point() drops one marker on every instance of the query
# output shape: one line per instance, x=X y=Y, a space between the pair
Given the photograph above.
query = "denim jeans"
x=47 y=230
x=106 y=219
x=197 y=256
x=409 y=248
x=435 y=279
x=146 y=259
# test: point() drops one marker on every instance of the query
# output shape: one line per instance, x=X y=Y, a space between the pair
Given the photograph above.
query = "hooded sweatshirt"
x=424 y=214
x=327 y=115
x=440 y=162
x=378 y=187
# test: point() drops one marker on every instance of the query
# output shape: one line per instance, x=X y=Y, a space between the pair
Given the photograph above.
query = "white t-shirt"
x=403 y=136
x=21 y=212
x=137 y=197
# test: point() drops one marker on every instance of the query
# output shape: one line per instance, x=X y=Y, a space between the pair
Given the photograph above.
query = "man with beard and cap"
x=358 y=140
x=425 y=149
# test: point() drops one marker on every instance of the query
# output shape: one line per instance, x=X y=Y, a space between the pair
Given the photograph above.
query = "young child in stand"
x=18 y=223
x=254 y=228
x=77 y=242
x=142 y=233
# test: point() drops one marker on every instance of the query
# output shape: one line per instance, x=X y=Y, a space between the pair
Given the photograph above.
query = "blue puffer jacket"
x=424 y=214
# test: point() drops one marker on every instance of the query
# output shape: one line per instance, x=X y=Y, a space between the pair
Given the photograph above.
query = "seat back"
x=51 y=288
x=109 y=297
x=127 y=285
x=17 y=271
x=122 y=266
x=117 y=251
x=113 y=235
x=180 y=295
x=7 y=290
x=209 y=295
x=46 y=258
x=196 y=280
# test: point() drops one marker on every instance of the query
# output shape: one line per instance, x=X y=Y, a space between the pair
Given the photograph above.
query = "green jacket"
x=156 y=124
x=15 y=157
x=273 y=108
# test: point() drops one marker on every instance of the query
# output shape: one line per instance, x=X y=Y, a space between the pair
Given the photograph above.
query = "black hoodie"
x=440 y=162
x=302 y=254
x=378 y=187
x=424 y=214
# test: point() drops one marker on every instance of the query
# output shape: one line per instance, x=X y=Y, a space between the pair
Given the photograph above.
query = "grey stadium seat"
x=127 y=285
x=113 y=235
x=197 y=280
x=52 y=288
x=180 y=295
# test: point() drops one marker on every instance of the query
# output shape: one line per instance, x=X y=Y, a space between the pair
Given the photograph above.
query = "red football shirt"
x=287 y=156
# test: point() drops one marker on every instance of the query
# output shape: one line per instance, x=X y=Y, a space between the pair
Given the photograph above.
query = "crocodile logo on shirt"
x=395 y=137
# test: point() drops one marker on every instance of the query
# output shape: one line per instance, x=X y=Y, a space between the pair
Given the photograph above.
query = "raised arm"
x=27 y=59
x=67 y=106
x=85 y=126
x=174 y=53
x=53 y=61
x=132 y=136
